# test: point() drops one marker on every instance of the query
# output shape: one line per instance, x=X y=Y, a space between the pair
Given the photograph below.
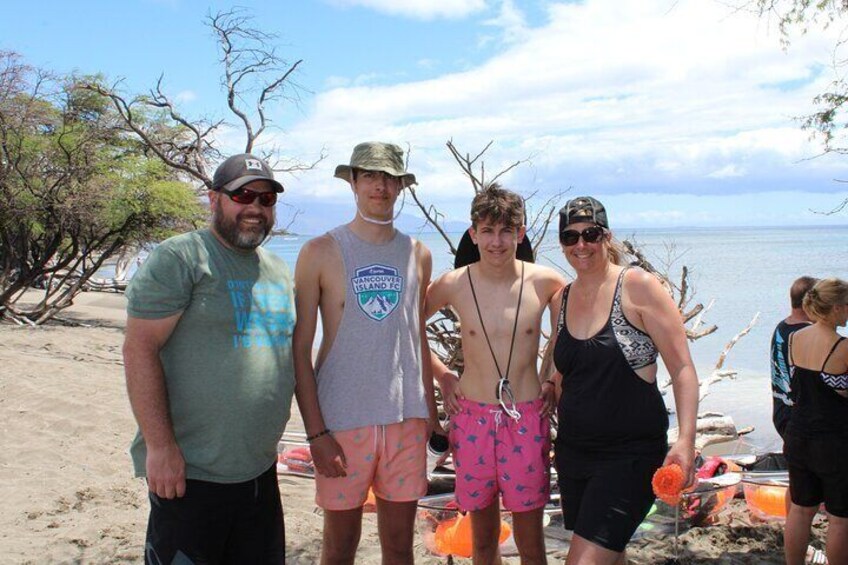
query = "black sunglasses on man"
x=246 y=196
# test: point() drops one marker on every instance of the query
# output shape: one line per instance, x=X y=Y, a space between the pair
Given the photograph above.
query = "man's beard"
x=248 y=239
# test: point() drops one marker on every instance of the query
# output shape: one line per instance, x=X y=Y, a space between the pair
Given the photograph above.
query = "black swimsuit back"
x=818 y=411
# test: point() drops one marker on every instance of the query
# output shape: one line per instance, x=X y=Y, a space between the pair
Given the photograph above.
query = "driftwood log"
x=712 y=428
x=105 y=285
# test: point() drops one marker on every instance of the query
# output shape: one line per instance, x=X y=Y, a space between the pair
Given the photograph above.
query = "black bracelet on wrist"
x=548 y=381
x=323 y=432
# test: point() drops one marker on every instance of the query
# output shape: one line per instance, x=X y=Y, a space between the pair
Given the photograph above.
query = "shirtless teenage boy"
x=367 y=402
x=499 y=410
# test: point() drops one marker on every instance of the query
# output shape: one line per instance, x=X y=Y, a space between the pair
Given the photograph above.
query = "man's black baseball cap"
x=241 y=169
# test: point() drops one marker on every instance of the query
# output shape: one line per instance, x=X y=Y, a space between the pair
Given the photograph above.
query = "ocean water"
x=744 y=270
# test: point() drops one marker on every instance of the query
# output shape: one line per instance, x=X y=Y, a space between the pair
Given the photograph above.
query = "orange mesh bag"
x=370 y=504
x=668 y=483
x=453 y=536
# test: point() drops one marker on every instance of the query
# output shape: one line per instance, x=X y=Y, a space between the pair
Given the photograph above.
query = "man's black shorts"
x=218 y=523
x=781 y=420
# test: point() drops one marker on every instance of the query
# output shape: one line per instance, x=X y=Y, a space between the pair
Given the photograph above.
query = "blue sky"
x=672 y=112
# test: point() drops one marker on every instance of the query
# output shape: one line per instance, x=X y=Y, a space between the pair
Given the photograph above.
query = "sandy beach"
x=66 y=480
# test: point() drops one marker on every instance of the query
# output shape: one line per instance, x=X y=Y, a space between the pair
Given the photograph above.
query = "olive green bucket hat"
x=377 y=156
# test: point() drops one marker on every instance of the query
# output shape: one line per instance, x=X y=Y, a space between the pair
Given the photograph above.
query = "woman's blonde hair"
x=827 y=293
x=615 y=251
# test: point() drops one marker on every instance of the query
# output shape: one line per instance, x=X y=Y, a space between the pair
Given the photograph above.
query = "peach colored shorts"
x=391 y=459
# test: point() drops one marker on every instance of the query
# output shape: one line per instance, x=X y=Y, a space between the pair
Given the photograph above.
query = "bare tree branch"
x=432 y=215
x=246 y=54
x=720 y=363
x=541 y=221
x=466 y=163
x=189 y=158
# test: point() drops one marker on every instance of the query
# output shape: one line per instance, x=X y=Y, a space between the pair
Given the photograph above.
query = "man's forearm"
x=148 y=396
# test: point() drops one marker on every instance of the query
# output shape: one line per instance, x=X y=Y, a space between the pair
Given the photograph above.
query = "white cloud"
x=427 y=63
x=631 y=95
x=419 y=9
x=364 y=79
x=763 y=209
x=332 y=82
x=185 y=96
x=728 y=171
x=511 y=21
x=662 y=217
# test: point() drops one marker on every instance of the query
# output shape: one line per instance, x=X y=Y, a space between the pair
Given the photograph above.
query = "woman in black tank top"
x=816 y=444
x=611 y=323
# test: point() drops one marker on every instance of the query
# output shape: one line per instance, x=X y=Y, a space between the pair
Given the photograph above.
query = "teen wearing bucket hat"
x=367 y=399
x=375 y=160
x=377 y=156
x=611 y=323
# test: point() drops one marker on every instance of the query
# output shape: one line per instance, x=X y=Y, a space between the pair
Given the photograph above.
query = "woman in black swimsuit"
x=611 y=324
x=816 y=444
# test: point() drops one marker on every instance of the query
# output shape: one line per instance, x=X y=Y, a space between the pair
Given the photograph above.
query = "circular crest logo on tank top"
x=378 y=290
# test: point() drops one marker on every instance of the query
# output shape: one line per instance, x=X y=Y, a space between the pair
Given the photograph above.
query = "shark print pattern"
x=498 y=455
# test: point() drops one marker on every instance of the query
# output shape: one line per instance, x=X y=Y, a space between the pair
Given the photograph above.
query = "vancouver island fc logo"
x=378 y=290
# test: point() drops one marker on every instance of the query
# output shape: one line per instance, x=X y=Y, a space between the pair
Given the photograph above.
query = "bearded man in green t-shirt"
x=210 y=378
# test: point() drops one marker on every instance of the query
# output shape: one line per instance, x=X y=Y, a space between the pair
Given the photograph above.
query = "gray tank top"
x=372 y=373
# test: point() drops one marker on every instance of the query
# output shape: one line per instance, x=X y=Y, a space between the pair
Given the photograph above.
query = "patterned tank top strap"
x=615 y=311
x=636 y=345
x=561 y=320
x=829 y=355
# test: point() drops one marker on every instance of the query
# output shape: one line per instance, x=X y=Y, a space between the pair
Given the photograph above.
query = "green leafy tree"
x=74 y=190
x=829 y=122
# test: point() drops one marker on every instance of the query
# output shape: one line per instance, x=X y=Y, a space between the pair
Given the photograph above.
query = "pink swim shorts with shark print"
x=495 y=453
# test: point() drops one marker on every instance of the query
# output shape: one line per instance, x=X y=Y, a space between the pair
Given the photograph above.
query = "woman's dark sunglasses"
x=245 y=196
x=590 y=235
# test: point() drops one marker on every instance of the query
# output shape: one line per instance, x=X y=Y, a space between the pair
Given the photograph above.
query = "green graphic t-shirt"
x=228 y=364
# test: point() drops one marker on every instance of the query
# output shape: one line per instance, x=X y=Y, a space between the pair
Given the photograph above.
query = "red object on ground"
x=297 y=459
x=712 y=466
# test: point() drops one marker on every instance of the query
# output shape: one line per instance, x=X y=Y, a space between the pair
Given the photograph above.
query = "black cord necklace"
x=503 y=388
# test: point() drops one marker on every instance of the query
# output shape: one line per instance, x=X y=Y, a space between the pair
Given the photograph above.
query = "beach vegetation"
x=75 y=190
x=829 y=121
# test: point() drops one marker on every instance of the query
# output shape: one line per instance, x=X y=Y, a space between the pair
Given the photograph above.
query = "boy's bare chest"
x=494 y=310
